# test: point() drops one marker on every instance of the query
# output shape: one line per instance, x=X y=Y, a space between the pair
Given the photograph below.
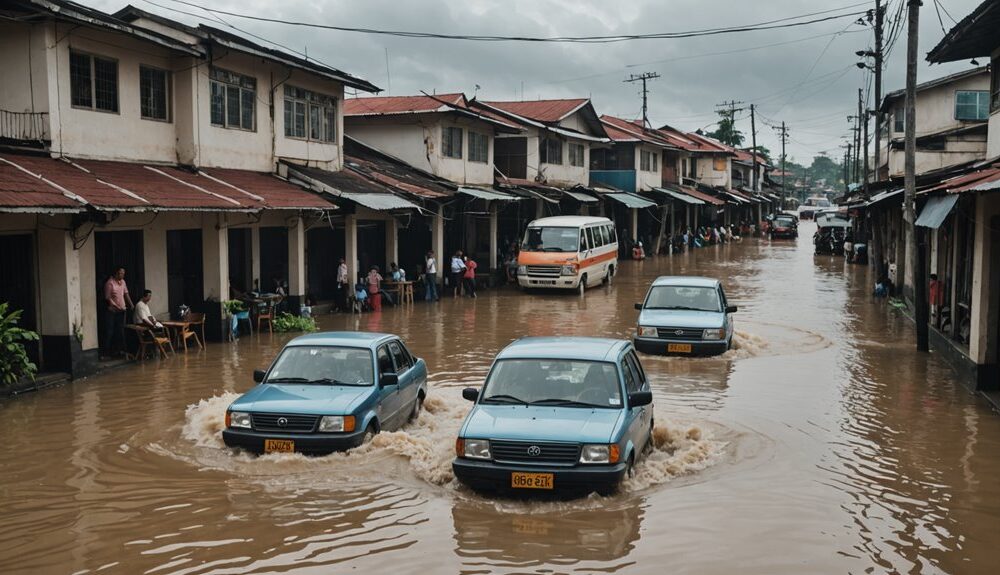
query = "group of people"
x=462 y=279
x=369 y=293
x=708 y=235
x=117 y=302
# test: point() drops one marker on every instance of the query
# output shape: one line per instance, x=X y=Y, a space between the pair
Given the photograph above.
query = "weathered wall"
x=986 y=268
x=707 y=174
x=647 y=179
x=23 y=80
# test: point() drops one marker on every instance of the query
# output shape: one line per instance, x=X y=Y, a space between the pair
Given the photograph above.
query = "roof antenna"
x=388 y=76
x=476 y=92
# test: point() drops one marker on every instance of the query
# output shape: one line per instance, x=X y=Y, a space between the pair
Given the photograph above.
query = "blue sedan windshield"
x=683 y=298
x=323 y=365
x=555 y=382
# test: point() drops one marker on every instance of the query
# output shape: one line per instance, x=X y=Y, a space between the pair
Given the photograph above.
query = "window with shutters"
x=233 y=99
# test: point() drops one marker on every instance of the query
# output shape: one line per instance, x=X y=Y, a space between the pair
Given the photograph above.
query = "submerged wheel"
x=369 y=433
x=583 y=285
x=630 y=467
x=417 y=406
x=610 y=275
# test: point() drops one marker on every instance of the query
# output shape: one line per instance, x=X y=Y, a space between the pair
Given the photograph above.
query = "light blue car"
x=327 y=392
x=558 y=414
x=686 y=316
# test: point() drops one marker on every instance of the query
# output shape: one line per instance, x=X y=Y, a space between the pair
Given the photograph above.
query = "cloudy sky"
x=805 y=76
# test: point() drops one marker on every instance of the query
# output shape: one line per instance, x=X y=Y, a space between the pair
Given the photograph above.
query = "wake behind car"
x=327 y=392
x=684 y=315
x=567 y=414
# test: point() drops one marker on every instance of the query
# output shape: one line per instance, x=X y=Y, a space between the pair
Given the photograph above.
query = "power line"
x=789 y=22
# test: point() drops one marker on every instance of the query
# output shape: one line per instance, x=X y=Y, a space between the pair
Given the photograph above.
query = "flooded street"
x=823 y=444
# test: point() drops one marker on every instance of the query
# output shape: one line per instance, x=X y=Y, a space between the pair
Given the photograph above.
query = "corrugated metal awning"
x=631 y=200
x=936 y=210
x=380 y=202
x=581 y=197
x=488 y=195
x=535 y=194
x=679 y=196
x=883 y=196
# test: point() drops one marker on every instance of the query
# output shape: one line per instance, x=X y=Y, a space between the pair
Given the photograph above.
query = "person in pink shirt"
x=374 y=291
x=116 y=302
x=469 y=277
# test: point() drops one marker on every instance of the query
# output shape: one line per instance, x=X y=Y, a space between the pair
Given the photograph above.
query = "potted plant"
x=14 y=361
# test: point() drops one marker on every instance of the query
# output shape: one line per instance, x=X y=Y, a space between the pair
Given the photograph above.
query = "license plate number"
x=531 y=480
x=679 y=347
x=279 y=446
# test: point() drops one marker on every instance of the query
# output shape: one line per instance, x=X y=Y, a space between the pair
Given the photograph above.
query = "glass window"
x=612 y=234
x=234 y=99
x=630 y=380
x=605 y=236
x=995 y=85
x=655 y=157
x=637 y=371
x=549 y=239
x=683 y=298
x=550 y=151
x=583 y=241
x=154 y=93
x=558 y=382
x=320 y=109
x=451 y=142
x=384 y=361
x=899 y=121
x=399 y=356
x=323 y=365
x=644 y=160
x=93 y=82
x=576 y=155
x=719 y=164
x=479 y=147
x=592 y=242
x=972 y=105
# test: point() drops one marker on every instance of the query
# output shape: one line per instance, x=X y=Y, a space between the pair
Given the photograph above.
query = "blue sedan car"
x=327 y=392
x=558 y=414
x=685 y=316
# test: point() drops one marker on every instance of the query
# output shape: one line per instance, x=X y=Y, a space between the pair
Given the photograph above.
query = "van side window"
x=606 y=234
x=594 y=242
x=583 y=241
x=612 y=234
x=400 y=357
x=384 y=361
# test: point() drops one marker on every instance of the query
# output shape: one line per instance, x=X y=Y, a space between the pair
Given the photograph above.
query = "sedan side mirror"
x=640 y=398
x=731 y=309
x=387 y=379
x=638 y=306
x=470 y=393
x=258 y=375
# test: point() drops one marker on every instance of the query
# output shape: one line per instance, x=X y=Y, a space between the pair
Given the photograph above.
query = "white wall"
x=708 y=175
x=993 y=145
x=23 y=81
x=564 y=174
x=935 y=106
x=646 y=180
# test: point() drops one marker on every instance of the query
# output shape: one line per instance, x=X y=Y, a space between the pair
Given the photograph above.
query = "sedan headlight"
x=600 y=453
x=646 y=331
x=568 y=270
x=522 y=270
x=714 y=333
x=238 y=419
x=474 y=448
x=336 y=423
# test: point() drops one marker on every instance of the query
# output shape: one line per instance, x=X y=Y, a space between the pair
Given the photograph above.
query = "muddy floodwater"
x=822 y=444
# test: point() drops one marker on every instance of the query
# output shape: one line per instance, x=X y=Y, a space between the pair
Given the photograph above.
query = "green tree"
x=727 y=132
x=14 y=362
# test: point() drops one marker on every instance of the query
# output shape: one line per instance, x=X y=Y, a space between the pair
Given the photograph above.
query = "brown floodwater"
x=823 y=444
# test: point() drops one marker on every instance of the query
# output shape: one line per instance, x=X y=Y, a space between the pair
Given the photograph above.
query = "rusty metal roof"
x=394 y=173
x=388 y=105
x=546 y=111
x=23 y=190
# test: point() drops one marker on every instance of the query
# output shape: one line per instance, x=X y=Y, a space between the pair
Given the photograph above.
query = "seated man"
x=143 y=316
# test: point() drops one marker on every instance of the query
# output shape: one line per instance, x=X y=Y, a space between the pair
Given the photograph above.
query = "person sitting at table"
x=142 y=316
x=398 y=273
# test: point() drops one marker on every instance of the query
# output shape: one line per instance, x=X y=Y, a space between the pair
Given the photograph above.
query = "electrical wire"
x=788 y=22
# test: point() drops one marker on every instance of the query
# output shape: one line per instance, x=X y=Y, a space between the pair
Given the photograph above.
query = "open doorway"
x=17 y=259
x=240 y=259
x=113 y=250
x=185 y=274
x=273 y=257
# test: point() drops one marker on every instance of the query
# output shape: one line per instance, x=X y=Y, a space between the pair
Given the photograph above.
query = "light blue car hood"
x=306 y=399
x=536 y=423
x=681 y=318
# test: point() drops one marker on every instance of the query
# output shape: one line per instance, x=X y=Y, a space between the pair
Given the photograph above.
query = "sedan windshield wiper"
x=565 y=402
x=287 y=380
x=680 y=307
x=505 y=399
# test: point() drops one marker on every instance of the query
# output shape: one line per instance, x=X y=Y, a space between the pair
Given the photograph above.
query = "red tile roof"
x=385 y=105
x=706 y=144
x=23 y=190
x=678 y=139
x=703 y=196
x=622 y=130
x=547 y=111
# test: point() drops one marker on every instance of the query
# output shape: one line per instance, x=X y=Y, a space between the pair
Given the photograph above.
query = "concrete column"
x=494 y=234
x=985 y=275
x=255 y=258
x=687 y=216
x=215 y=261
x=154 y=245
x=391 y=240
x=634 y=226
x=61 y=312
x=296 y=265
x=437 y=244
x=673 y=226
x=351 y=247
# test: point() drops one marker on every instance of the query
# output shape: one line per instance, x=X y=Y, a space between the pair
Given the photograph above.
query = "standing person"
x=469 y=278
x=457 y=273
x=430 y=277
x=374 y=278
x=343 y=289
x=116 y=300
x=936 y=293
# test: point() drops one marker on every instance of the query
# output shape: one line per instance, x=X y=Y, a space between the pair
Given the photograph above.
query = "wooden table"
x=403 y=290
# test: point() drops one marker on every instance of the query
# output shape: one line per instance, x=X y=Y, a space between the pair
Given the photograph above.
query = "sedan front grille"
x=284 y=423
x=682 y=333
x=545 y=271
x=527 y=452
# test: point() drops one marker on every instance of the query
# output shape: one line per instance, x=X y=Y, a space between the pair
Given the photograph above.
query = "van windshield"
x=551 y=240
x=324 y=365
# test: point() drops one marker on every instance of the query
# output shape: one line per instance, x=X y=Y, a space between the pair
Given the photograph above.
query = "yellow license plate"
x=279 y=446
x=520 y=480
x=679 y=348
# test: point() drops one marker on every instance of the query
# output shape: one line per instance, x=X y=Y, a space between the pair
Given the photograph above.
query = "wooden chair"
x=186 y=332
x=265 y=311
x=198 y=321
x=149 y=339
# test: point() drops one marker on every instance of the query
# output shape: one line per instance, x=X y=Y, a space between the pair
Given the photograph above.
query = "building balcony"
x=621 y=179
x=29 y=129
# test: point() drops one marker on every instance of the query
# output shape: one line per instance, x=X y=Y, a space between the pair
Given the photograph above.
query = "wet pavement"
x=823 y=444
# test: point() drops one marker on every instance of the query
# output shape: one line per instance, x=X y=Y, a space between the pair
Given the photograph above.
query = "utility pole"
x=784 y=139
x=847 y=166
x=645 y=92
x=864 y=178
x=857 y=165
x=915 y=259
x=879 y=17
x=753 y=143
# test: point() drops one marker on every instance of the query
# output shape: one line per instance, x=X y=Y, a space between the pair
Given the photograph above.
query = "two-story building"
x=952 y=114
x=134 y=141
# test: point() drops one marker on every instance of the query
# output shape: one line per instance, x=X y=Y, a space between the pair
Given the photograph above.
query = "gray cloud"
x=808 y=80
